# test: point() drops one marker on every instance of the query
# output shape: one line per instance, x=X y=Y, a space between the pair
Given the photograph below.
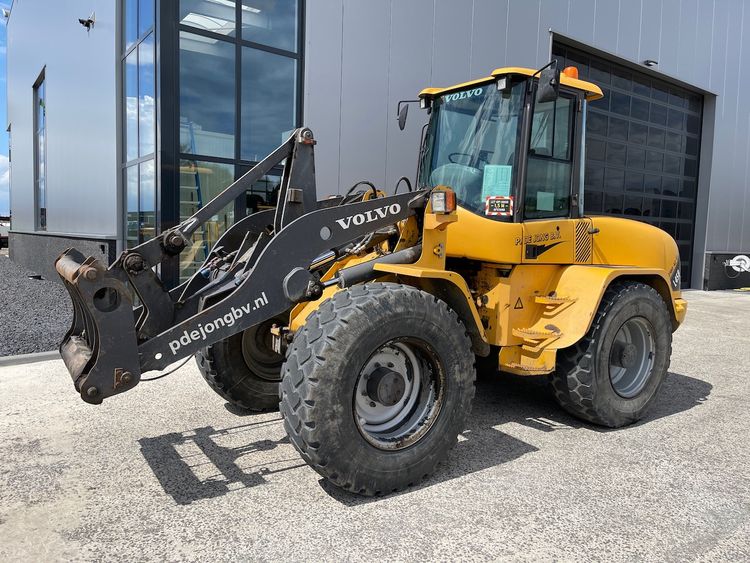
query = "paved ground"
x=167 y=472
x=34 y=313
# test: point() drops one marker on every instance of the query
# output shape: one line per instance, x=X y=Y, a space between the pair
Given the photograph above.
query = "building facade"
x=124 y=129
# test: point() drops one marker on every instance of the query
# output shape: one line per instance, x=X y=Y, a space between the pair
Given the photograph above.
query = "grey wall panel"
x=551 y=15
x=409 y=61
x=80 y=78
x=364 y=92
x=732 y=72
x=489 y=36
x=703 y=43
x=606 y=16
x=322 y=98
x=451 y=42
x=669 y=44
x=581 y=14
x=523 y=33
x=629 y=29
x=650 y=31
x=688 y=39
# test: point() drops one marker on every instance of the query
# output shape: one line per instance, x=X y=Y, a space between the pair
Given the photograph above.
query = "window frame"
x=577 y=142
x=40 y=213
x=125 y=163
x=239 y=42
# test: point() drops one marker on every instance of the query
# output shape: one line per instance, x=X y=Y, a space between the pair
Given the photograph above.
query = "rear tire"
x=377 y=386
x=611 y=376
x=243 y=369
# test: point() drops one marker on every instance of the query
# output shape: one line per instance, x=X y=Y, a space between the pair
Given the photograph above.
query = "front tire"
x=377 y=386
x=612 y=375
x=243 y=369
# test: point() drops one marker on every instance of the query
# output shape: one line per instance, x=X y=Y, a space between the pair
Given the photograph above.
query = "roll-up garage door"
x=642 y=148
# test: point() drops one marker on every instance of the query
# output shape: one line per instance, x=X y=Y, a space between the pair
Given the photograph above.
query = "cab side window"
x=550 y=162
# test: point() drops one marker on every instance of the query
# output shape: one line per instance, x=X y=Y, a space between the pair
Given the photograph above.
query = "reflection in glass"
x=268 y=96
x=145 y=16
x=263 y=194
x=131 y=203
x=209 y=15
x=272 y=23
x=131 y=106
x=146 y=97
x=131 y=22
x=206 y=96
x=147 y=201
x=200 y=182
x=40 y=129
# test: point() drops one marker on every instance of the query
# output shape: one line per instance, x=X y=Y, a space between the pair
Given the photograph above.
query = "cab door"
x=553 y=233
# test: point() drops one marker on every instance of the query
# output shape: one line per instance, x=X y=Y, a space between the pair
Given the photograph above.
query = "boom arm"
x=258 y=269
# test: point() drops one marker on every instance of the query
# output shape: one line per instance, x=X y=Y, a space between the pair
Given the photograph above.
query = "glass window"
x=40 y=151
x=145 y=16
x=131 y=203
x=263 y=194
x=200 y=182
x=206 y=96
x=146 y=97
x=216 y=16
x=550 y=132
x=471 y=144
x=147 y=201
x=131 y=106
x=550 y=165
x=270 y=22
x=268 y=101
x=131 y=22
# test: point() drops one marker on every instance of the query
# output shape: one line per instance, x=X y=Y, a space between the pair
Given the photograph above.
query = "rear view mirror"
x=549 y=84
x=403 y=111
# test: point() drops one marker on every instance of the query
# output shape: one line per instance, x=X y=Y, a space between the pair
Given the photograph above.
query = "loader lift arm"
x=259 y=268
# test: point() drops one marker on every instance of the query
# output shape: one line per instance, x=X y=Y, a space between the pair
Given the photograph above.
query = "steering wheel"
x=453 y=154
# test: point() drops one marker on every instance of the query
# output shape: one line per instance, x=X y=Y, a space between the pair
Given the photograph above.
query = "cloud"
x=4 y=185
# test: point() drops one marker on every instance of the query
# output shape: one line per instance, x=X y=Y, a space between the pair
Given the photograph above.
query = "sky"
x=4 y=173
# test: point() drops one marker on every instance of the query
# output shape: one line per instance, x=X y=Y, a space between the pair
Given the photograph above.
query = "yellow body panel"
x=479 y=238
x=593 y=92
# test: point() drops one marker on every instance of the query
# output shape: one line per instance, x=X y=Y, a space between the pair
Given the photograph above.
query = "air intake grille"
x=583 y=242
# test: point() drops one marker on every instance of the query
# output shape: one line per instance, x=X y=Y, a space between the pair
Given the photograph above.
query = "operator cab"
x=510 y=151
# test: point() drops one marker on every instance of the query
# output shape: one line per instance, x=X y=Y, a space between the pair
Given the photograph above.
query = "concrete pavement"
x=168 y=472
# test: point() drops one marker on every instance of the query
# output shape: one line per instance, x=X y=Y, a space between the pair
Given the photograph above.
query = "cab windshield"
x=471 y=146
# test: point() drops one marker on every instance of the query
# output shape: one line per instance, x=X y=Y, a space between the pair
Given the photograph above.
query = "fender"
x=587 y=284
x=451 y=288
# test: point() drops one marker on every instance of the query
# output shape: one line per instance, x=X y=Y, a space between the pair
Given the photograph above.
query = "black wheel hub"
x=626 y=355
x=385 y=386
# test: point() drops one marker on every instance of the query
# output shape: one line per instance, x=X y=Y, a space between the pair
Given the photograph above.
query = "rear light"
x=443 y=201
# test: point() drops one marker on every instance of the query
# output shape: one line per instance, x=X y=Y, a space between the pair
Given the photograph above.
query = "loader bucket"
x=100 y=350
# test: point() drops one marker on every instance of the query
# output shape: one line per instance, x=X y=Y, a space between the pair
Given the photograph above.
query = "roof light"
x=570 y=72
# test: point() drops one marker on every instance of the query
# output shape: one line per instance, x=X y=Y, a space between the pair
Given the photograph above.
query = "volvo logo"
x=369 y=216
x=463 y=95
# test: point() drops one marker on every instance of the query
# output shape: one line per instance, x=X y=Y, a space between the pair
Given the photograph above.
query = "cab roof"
x=593 y=92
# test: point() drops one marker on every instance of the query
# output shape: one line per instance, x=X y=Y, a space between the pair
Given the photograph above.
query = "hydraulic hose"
x=366 y=270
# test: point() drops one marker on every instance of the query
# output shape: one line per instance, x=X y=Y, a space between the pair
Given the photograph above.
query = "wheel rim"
x=632 y=357
x=398 y=394
x=258 y=353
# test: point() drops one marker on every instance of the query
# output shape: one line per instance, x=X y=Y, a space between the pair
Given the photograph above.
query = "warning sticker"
x=498 y=205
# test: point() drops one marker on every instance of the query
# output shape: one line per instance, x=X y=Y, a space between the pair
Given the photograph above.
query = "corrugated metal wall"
x=363 y=56
x=80 y=79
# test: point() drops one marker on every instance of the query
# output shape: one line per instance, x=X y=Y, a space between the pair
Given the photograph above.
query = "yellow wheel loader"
x=362 y=316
